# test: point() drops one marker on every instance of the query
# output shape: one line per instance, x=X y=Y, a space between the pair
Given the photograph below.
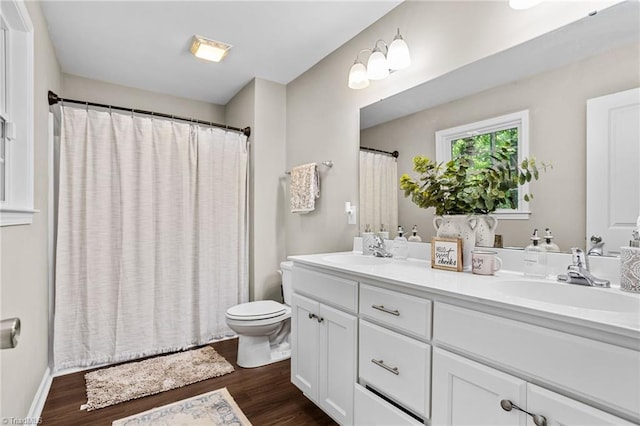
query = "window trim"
x=18 y=208
x=520 y=120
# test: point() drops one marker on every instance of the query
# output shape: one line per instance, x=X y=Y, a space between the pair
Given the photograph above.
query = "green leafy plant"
x=457 y=187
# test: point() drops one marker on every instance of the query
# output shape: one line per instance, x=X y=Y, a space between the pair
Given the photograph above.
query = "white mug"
x=484 y=262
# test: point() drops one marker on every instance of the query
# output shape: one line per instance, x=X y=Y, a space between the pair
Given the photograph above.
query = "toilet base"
x=256 y=351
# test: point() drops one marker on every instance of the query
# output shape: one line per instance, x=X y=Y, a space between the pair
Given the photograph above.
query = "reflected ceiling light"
x=523 y=4
x=395 y=57
x=209 y=50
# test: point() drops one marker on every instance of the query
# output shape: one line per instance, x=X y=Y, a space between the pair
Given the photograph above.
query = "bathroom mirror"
x=552 y=77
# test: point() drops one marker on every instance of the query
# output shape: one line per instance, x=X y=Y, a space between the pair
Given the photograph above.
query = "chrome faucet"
x=596 y=249
x=578 y=271
x=378 y=248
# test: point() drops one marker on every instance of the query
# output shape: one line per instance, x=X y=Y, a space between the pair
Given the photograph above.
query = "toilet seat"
x=258 y=310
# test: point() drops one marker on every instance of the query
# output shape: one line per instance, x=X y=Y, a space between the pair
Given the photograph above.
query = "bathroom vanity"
x=386 y=342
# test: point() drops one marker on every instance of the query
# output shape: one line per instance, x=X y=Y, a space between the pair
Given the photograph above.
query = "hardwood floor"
x=265 y=395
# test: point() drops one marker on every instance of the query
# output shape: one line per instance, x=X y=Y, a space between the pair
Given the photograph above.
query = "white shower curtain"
x=151 y=238
x=379 y=188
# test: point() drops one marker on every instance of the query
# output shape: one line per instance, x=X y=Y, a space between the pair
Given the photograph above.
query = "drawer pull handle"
x=387 y=310
x=538 y=420
x=381 y=363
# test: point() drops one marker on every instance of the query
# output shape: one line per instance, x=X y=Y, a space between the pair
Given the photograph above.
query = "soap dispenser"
x=400 y=245
x=548 y=245
x=414 y=235
x=535 y=258
x=384 y=234
x=367 y=240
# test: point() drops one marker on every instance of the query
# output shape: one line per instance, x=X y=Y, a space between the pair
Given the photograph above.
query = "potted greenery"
x=459 y=191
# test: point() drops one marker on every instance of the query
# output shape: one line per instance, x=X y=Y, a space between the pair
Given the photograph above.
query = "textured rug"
x=209 y=409
x=113 y=385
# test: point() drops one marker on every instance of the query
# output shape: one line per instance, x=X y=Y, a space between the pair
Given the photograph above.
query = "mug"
x=485 y=262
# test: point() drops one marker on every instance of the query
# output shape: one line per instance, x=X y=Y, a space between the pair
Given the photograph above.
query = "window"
x=16 y=114
x=479 y=140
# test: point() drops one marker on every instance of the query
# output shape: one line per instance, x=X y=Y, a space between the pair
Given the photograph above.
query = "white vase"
x=458 y=226
x=486 y=230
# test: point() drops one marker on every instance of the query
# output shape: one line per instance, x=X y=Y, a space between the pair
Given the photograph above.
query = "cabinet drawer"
x=371 y=410
x=597 y=371
x=400 y=311
x=397 y=366
x=336 y=291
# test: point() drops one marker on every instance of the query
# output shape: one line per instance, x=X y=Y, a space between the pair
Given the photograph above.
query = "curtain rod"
x=394 y=154
x=54 y=99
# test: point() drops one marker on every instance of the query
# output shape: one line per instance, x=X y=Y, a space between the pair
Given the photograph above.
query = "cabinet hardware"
x=312 y=316
x=381 y=363
x=538 y=420
x=387 y=310
x=320 y=319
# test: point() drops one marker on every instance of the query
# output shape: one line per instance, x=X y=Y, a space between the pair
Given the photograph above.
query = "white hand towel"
x=304 y=188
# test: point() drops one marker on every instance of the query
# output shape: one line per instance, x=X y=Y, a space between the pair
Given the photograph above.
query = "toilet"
x=263 y=327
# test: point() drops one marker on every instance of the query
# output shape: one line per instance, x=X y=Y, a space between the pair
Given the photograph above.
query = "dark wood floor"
x=265 y=395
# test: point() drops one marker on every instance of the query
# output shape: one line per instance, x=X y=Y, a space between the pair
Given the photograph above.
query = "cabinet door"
x=563 y=411
x=337 y=363
x=305 y=341
x=467 y=393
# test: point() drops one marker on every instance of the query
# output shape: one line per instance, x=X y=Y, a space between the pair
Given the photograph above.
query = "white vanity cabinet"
x=381 y=350
x=323 y=341
x=468 y=393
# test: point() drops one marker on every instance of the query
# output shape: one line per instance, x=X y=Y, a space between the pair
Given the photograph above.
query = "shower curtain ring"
x=86 y=106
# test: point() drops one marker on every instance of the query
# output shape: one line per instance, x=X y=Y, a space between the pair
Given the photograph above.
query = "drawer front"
x=401 y=311
x=336 y=291
x=397 y=366
x=371 y=410
x=598 y=371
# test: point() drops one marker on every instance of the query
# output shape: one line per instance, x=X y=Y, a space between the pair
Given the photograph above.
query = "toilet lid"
x=261 y=309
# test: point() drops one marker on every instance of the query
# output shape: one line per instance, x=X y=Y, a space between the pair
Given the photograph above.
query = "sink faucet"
x=578 y=271
x=596 y=249
x=378 y=248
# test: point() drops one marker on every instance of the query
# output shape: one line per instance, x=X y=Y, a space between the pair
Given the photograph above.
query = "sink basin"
x=357 y=259
x=576 y=296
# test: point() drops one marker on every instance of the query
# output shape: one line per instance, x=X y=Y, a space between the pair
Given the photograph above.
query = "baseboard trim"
x=35 y=411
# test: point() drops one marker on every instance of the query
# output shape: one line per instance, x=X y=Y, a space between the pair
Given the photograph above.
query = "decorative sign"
x=446 y=253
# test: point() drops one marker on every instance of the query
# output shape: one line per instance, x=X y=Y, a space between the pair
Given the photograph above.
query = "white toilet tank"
x=287 y=291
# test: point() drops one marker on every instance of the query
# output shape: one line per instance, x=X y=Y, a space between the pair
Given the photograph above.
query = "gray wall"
x=556 y=101
x=323 y=113
x=23 y=277
x=85 y=89
x=262 y=104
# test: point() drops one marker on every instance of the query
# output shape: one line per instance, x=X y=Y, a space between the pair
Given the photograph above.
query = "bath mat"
x=215 y=408
x=132 y=380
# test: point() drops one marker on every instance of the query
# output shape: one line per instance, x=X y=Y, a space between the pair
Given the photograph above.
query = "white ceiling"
x=145 y=44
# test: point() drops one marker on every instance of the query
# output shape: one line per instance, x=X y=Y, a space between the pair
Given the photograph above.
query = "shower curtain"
x=151 y=235
x=379 y=188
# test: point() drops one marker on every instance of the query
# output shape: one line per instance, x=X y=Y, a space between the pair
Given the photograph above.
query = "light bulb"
x=377 y=67
x=398 y=56
x=358 y=76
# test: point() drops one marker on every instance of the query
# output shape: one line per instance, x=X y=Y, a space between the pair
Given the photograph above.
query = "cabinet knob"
x=538 y=419
x=312 y=316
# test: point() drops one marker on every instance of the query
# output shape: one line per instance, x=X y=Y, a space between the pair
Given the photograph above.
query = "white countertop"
x=604 y=310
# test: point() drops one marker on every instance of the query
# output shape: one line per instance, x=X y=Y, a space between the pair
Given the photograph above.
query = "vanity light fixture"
x=209 y=50
x=395 y=57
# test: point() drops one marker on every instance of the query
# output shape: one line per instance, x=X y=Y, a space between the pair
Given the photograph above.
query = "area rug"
x=113 y=385
x=209 y=409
